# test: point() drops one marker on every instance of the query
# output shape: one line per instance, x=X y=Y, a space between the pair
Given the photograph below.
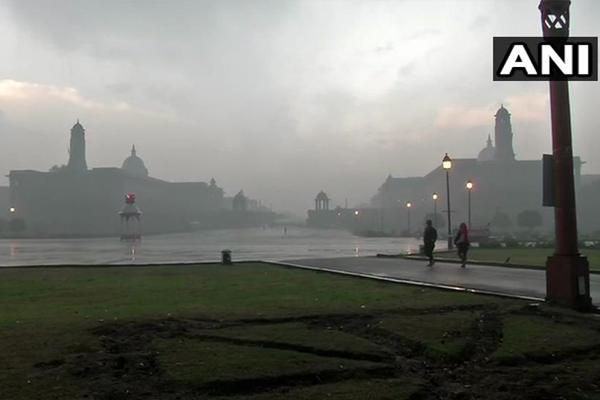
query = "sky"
x=279 y=98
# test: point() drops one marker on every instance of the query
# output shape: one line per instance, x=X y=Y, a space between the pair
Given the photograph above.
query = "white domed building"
x=134 y=165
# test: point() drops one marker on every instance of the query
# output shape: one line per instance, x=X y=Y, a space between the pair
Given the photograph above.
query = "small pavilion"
x=322 y=202
x=130 y=220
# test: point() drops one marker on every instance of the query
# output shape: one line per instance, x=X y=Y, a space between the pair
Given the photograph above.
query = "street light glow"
x=356 y=212
x=469 y=184
x=12 y=209
x=408 y=205
x=435 y=196
x=447 y=162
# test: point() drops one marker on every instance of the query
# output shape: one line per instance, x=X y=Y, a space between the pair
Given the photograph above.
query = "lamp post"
x=567 y=271
x=435 y=197
x=447 y=165
x=408 y=206
x=469 y=187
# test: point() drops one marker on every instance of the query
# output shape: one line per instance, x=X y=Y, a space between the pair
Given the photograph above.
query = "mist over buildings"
x=278 y=98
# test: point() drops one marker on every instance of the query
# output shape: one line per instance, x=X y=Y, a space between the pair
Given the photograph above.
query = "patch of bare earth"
x=257 y=358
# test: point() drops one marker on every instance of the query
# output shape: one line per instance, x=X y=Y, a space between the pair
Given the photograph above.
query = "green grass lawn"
x=256 y=331
x=525 y=256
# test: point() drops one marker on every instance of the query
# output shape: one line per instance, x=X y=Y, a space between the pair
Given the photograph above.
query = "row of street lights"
x=446 y=165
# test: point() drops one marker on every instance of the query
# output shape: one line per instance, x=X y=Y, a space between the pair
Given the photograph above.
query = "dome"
x=322 y=196
x=239 y=196
x=134 y=166
x=502 y=112
x=487 y=153
x=77 y=127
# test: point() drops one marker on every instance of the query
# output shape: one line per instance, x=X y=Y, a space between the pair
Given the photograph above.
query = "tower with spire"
x=503 y=136
x=77 y=149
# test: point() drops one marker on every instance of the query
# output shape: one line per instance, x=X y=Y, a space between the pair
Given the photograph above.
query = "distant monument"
x=322 y=202
x=503 y=136
x=488 y=153
x=134 y=166
x=130 y=212
x=77 y=161
x=323 y=217
x=51 y=202
x=239 y=202
x=502 y=181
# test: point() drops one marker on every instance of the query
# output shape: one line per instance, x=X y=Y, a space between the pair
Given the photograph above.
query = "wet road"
x=245 y=244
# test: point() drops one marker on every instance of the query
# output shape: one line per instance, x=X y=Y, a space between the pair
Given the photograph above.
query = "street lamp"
x=435 y=197
x=408 y=206
x=469 y=187
x=12 y=210
x=447 y=165
x=567 y=271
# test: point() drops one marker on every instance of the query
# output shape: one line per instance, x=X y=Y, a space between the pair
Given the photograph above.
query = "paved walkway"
x=513 y=281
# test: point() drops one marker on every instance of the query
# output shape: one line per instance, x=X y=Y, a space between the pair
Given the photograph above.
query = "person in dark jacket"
x=429 y=238
x=462 y=243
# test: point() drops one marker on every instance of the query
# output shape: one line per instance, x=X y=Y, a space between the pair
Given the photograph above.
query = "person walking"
x=462 y=243
x=429 y=239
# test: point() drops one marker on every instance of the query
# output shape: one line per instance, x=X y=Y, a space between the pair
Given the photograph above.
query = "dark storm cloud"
x=94 y=25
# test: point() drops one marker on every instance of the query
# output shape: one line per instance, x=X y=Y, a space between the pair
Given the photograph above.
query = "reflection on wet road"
x=245 y=244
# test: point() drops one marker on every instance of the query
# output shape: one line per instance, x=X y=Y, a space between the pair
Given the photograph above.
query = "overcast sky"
x=280 y=98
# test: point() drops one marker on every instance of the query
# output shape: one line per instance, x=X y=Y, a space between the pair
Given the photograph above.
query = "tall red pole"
x=565 y=214
x=567 y=272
